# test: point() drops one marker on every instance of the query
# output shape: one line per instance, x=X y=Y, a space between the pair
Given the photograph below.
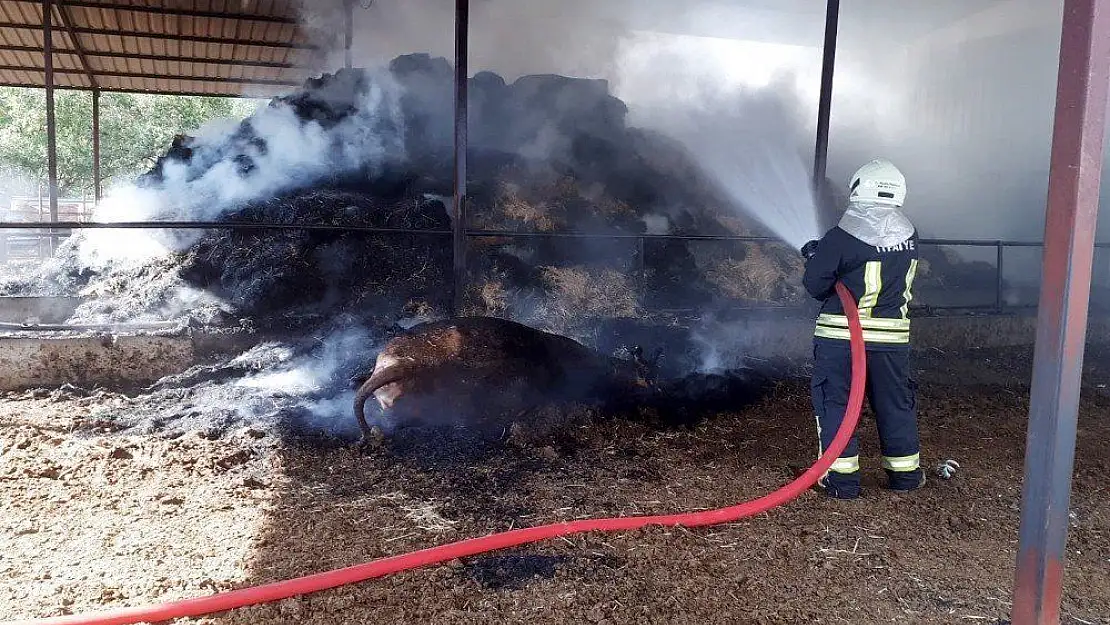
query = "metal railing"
x=52 y=229
x=37 y=208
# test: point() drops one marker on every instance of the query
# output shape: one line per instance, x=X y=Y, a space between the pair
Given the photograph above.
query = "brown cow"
x=471 y=370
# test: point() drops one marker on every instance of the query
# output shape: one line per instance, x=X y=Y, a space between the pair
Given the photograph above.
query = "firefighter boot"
x=905 y=481
x=841 y=485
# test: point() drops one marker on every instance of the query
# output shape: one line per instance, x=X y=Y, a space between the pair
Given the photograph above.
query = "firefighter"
x=873 y=251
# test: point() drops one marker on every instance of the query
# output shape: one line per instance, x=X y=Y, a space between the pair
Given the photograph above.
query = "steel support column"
x=51 y=138
x=1073 y=195
x=349 y=31
x=96 y=143
x=462 y=28
x=824 y=106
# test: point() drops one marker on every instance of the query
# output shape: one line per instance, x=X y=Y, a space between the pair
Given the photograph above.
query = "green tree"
x=135 y=129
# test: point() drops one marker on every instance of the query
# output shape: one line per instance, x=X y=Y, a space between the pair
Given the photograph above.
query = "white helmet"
x=878 y=182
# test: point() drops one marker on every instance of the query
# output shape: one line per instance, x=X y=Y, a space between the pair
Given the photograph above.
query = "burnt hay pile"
x=548 y=154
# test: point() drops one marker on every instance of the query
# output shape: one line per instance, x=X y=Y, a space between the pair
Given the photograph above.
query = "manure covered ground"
x=94 y=519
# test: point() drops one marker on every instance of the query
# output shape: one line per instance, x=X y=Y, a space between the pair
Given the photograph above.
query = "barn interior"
x=633 y=174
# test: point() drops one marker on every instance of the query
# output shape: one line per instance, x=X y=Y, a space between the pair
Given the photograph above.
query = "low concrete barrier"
x=107 y=360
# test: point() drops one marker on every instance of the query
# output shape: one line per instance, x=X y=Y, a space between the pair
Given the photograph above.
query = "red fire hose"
x=403 y=562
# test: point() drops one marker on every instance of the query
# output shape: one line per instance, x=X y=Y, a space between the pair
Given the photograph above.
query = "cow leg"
x=373 y=439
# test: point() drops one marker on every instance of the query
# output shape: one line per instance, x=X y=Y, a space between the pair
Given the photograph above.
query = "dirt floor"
x=92 y=519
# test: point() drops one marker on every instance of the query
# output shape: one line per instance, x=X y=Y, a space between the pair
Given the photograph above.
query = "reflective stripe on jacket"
x=880 y=280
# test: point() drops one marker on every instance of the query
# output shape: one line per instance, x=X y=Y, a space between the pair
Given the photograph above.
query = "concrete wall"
x=113 y=361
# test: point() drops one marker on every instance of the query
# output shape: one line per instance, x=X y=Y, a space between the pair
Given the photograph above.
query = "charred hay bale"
x=561 y=118
x=576 y=292
x=519 y=276
x=572 y=300
x=493 y=299
x=427 y=102
x=757 y=273
x=558 y=298
x=487 y=100
x=672 y=277
x=279 y=275
x=504 y=278
x=943 y=268
x=386 y=205
x=528 y=198
x=328 y=99
x=675 y=187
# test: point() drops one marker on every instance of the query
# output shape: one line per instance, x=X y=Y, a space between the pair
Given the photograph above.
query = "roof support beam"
x=200 y=94
x=153 y=57
x=1073 y=198
x=96 y=144
x=171 y=37
x=234 y=81
x=51 y=137
x=84 y=4
x=67 y=23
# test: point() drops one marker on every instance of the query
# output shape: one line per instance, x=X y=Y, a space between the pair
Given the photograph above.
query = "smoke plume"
x=234 y=162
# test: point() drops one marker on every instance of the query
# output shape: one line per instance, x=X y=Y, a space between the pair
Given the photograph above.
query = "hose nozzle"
x=809 y=249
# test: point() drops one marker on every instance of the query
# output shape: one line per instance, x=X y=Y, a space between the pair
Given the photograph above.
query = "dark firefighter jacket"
x=879 y=278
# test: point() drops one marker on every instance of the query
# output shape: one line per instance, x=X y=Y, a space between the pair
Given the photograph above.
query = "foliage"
x=135 y=129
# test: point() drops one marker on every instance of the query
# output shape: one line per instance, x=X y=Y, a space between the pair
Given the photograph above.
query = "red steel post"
x=1073 y=196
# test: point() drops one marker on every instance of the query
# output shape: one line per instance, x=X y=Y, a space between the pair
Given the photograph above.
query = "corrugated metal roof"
x=212 y=47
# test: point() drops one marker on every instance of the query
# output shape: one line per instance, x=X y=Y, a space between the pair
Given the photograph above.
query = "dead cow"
x=471 y=370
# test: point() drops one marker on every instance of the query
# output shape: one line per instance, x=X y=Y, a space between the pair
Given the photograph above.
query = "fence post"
x=999 y=286
x=641 y=266
x=462 y=25
x=51 y=138
x=96 y=144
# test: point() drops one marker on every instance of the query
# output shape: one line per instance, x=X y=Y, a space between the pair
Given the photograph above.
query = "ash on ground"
x=280 y=389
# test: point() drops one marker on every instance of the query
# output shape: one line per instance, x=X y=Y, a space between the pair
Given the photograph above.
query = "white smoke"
x=657 y=224
x=293 y=153
x=270 y=382
x=738 y=106
x=724 y=345
x=311 y=380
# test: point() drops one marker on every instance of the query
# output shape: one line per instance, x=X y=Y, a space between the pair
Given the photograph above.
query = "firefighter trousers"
x=892 y=395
